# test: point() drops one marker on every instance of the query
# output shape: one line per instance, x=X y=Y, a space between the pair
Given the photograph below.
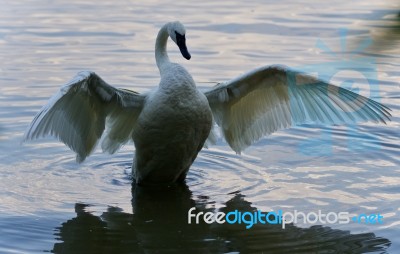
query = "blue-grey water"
x=49 y=203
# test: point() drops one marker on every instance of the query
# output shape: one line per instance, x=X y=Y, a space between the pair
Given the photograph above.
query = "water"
x=48 y=203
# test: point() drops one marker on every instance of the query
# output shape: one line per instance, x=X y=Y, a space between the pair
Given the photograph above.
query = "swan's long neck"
x=162 y=58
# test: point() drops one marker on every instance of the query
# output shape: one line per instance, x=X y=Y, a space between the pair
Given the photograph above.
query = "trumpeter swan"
x=170 y=124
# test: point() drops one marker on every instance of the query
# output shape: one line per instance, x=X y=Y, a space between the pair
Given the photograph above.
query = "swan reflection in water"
x=159 y=223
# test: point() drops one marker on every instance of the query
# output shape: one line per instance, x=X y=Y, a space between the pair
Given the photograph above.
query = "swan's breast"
x=176 y=103
x=171 y=129
x=175 y=78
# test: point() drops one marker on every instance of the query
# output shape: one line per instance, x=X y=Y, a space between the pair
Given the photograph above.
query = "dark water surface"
x=49 y=203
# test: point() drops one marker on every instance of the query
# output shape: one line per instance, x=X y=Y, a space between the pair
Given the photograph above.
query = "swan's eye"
x=180 y=39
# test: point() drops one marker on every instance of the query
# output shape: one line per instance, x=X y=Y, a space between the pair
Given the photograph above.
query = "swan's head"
x=177 y=33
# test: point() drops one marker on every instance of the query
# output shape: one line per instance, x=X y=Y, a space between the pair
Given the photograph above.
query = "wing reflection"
x=159 y=224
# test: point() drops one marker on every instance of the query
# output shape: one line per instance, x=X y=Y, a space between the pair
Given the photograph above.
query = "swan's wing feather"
x=77 y=115
x=274 y=97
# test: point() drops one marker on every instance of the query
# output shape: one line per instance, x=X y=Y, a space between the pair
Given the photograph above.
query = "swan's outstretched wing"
x=274 y=97
x=78 y=113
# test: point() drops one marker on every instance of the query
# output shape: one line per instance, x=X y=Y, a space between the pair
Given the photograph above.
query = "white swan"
x=170 y=124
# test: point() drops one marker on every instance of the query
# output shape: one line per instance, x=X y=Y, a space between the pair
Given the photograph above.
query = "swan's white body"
x=170 y=124
x=171 y=129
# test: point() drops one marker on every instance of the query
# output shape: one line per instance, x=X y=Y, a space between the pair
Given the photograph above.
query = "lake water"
x=49 y=203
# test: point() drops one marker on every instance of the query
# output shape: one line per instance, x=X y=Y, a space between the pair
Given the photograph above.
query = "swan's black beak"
x=181 y=42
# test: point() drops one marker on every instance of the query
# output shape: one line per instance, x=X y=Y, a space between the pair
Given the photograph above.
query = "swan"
x=170 y=124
